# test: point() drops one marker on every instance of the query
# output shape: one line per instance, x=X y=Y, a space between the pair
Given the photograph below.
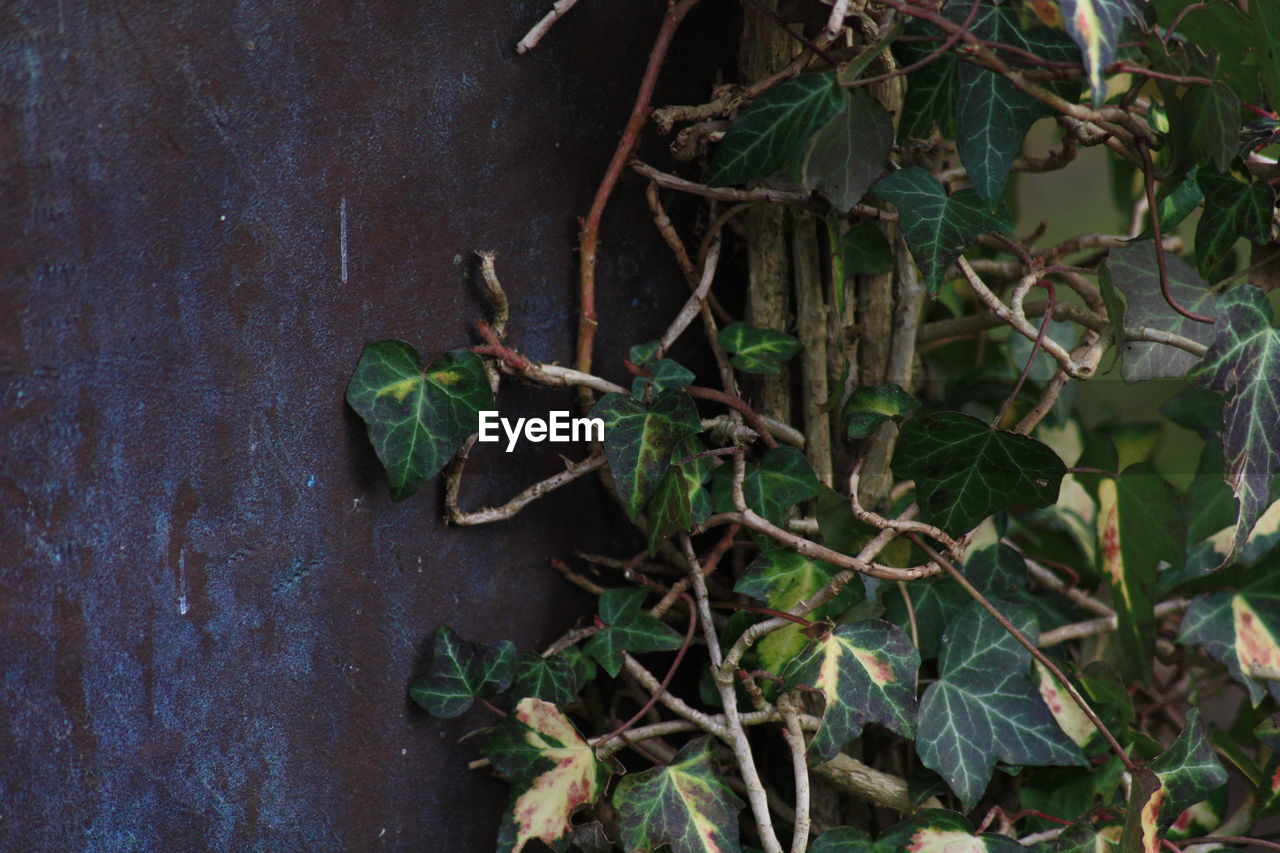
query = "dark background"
x=209 y=608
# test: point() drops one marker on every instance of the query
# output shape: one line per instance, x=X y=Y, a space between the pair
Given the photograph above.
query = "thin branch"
x=540 y=29
x=1035 y=350
x=573 y=471
x=696 y=302
x=674 y=704
x=794 y=737
x=1153 y=210
x=1040 y=656
x=1103 y=624
x=737 y=735
x=666 y=680
x=588 y=236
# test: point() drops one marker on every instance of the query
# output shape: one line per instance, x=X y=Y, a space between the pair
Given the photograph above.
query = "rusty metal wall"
x=209 y=608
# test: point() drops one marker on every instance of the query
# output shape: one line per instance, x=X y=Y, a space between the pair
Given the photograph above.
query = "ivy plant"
x=886 y=576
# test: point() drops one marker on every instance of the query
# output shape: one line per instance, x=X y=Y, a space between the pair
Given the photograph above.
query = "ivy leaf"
x=936 y=603
x=1266 y=35
x=680 y=502
x=638 y=441
x=1140 y=524
x=665 y=373
x=1095 y=26
x=965 y=471
x=462 y=671
x=627 y=628
x=684 y=805
x=782 y=578
x=552 y=770
x=770 y=134
x=993 y=115
x=1244 y=363
x=941 y=831
x=931 y=97
x=1188 y=770
x=781 y=480
x=984 y=706
x=1131 y=289
x=867 y=673
x=1240 y=630
x=1232 y=209
x=757 y=350
x=845 y=839
x=552 y=679
x=1205 y=126
x=938 y=228
x=844 y=158
x=416 y=419
x=865 y=251
x=870 y=406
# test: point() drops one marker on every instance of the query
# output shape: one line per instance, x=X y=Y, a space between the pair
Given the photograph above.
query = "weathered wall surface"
x=209 y=608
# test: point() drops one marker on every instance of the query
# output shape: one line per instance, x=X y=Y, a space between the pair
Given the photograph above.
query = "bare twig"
x=794 y=737
x=540 y=29
x=488 y=515
x=756 y=796
x=696 y=302
x=1101 y=625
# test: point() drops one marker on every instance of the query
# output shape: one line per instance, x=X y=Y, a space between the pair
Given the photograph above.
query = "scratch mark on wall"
x=184 y=606
x=342 y=236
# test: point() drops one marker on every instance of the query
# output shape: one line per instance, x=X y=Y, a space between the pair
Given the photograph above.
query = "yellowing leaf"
x=553 y=773
x=1071 y=719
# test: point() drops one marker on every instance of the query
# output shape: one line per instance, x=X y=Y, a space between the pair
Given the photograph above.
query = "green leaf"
x=870 y=406
x=996 y=570
x=866 y=671
x=1221 y=28
x=782 y=578
x=1205 y=126
x=1095 y=26
x=936 y=603
x=1131 y=288
x=865 y=250
x=680 y=502
x=757 y=350
x=638 y=441
x=781 y=480
x=665 y=374
x=1232 y=209
x=552 y=679
x=845 y=839
x=628 y=629
x=1240 y=630
x=684 y=805
x=964 y=471
x=1188 y=770
x=1178 y=203
x=462 y=671
x=553 y=772
x=938 y=228
x=1140 y=524
x=993 y=115
x=1266 y=34
x=844 y=158
x=416 y=419
x=931 y=95
x=984 y=707
x=1244 y=363
x=771 y=134
x=941 y=831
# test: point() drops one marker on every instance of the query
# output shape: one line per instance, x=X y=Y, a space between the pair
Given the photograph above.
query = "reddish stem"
x=1149 y=181
x=588 y=237
x=666 y=680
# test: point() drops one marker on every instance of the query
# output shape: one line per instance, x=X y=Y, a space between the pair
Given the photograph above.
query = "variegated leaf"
x=1095 y=26
x=553 y=772
x=1241 y=630
x=684 y=805
x=867 y=673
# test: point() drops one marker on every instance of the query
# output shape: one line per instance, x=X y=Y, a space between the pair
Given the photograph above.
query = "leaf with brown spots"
x=552 y=770
x=1241 y=630
x=684 y=805
x=867 y=672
